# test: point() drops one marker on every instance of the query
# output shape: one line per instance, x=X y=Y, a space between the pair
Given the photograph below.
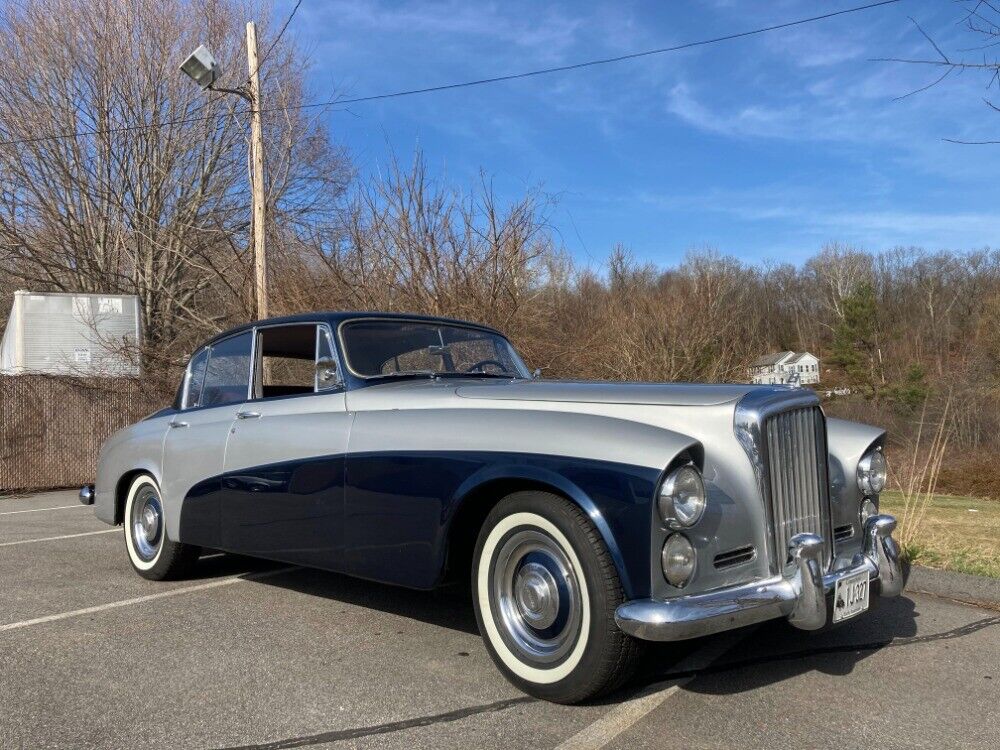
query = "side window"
x=227 y=378
x=194 y=379
x=294 y=359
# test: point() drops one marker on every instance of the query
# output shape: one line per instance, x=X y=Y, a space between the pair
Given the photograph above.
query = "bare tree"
x=118 y=175
x=982 y=19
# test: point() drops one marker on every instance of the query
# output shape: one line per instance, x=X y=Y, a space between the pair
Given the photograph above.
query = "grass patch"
x=957 y=533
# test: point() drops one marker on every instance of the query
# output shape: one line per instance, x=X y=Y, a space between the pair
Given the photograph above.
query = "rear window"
x=227 y=378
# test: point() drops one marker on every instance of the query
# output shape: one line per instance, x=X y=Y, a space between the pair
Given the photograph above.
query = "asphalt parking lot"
x=254 y=654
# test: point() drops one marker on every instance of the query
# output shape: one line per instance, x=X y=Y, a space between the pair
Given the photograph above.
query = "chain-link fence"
x=52 y=428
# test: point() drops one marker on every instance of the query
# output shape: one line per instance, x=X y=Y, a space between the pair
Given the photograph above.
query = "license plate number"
x=850 y=598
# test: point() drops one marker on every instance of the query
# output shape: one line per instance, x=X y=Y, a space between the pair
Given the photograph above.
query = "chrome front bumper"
x=802 y=598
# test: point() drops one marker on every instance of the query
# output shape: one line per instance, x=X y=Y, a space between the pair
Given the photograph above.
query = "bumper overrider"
x=802 y=598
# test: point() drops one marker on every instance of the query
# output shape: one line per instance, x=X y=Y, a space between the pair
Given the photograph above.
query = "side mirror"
x=536 y=374
x=326 y=373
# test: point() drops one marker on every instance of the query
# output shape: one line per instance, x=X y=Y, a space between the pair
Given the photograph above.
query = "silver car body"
x=413 y=456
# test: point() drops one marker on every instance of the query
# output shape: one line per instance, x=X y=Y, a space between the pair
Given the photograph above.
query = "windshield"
x=384 y=348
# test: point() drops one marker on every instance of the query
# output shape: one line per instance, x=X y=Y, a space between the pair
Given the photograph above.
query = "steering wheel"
x=483 y=362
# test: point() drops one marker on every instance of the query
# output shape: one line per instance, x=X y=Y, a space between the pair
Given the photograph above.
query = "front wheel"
x=545 y=591
x=152 y=553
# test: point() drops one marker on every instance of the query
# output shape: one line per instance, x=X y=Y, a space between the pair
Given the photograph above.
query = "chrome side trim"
x=802 y=598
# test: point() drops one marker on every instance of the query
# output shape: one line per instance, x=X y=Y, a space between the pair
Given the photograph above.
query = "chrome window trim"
x=321 y=330
x=185 y=389
x=433 y=321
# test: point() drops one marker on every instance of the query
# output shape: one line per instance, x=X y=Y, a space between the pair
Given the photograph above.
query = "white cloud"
x=548 y=33
x=808 y=213
x=755 y=120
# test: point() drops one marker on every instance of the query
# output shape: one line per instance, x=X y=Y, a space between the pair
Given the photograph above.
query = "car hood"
x=588 y=391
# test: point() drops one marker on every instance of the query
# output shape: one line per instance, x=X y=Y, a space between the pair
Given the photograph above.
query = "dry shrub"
x=922 y=468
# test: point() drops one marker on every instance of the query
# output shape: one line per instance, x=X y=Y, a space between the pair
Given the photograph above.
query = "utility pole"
x=201 y=67
x=257 y=162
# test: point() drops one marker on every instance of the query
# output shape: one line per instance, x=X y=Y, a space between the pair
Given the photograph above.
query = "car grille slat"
x=800 y=501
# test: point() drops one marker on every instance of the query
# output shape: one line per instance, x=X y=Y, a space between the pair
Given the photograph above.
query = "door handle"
x=248 y=415
x=178 y=424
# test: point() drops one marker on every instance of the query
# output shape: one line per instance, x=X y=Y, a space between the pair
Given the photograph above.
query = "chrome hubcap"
x=146 y=523
x=150 y=523
x=535 y=597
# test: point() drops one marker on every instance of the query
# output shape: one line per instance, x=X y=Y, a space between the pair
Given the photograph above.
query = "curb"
x=951 y=585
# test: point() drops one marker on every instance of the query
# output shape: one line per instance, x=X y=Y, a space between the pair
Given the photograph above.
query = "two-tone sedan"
x=589 y=517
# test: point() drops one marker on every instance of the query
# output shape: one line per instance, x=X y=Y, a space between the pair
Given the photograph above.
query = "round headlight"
x=868 y=509
x=872 y=472
x=682 y=496
x=678 y=560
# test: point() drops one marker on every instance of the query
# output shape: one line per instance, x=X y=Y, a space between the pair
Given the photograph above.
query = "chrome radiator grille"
x=797 y=477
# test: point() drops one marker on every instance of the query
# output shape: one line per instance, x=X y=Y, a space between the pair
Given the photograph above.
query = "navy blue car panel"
x=386 y=516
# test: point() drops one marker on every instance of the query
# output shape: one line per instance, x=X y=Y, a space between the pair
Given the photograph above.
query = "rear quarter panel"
x=138 y=447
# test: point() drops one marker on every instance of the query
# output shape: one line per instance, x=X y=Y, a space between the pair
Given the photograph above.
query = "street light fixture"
x=200 y=66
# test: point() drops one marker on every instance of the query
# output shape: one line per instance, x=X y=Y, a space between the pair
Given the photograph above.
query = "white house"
x=70 y=334
x=778 y=368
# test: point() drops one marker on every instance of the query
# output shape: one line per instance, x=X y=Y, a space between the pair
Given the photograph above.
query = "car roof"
x=336 y=317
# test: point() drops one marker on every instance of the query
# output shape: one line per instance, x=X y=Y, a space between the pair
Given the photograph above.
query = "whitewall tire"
x=545 y=591
x=151 y=552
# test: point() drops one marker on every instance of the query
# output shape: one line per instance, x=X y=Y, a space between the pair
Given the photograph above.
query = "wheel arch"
x=479 y=494
x=122 y=487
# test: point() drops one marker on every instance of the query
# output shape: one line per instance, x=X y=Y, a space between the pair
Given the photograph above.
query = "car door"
x=283 y=493
x=216 y=384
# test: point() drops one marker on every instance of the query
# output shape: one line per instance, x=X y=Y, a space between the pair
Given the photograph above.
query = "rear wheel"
x=545 y=591
x=152 y=554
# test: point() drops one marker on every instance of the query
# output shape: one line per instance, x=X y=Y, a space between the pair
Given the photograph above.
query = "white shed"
x=70 y=334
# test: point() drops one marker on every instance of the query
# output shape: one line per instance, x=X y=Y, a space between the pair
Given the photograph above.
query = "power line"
x=604 y=61
x=277 y=38
x=260 y=64
x=464 y=84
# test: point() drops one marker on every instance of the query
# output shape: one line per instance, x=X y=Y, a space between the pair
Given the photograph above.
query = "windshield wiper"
x=502 y=375
x=406 y=374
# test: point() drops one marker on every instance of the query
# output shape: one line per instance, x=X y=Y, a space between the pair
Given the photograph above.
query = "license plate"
x=850 y=598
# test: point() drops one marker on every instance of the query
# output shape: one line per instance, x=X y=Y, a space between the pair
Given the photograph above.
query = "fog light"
x=678 y=560
x=868 y=509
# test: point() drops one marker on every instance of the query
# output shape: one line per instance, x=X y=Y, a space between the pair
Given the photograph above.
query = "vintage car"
x=588 y=517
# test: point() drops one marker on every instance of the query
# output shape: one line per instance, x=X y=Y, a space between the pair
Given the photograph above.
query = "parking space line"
x=39 y=510
x=229 y=580
x=628 y=713
x=620 y=718
x=55 y=538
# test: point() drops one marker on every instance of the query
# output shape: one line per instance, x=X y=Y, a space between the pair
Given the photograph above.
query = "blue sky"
x=763 y=148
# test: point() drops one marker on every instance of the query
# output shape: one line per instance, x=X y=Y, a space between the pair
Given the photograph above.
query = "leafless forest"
x=153 y=202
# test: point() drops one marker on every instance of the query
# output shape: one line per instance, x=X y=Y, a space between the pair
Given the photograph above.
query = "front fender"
x=531 y=473
x=847 y=442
